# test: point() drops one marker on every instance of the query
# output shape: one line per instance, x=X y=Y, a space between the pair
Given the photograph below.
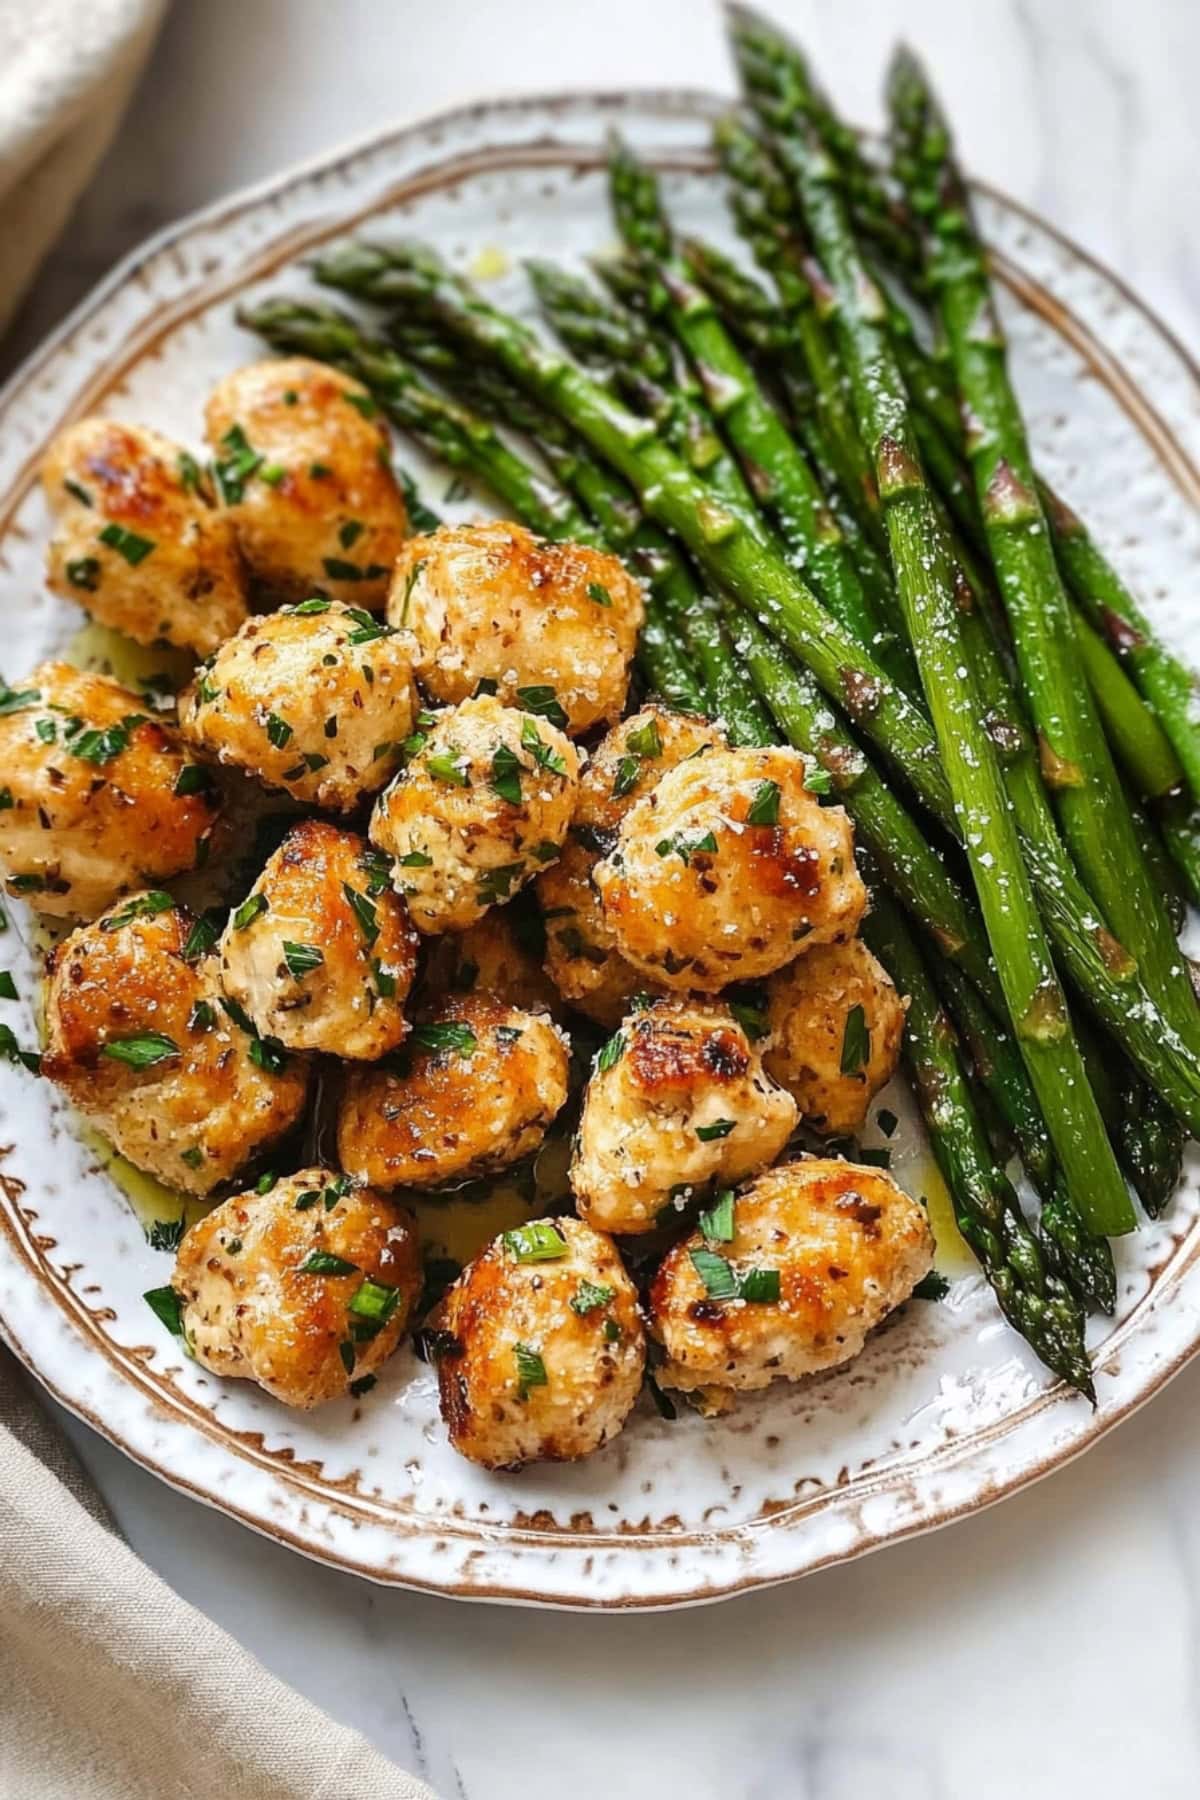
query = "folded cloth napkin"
x=66 y=72
x=111 y=1686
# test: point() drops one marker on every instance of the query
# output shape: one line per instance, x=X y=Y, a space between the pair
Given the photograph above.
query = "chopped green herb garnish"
x=250 y=909
x=378 y=869
x=375 y=1301
x=856 y=1041
x=818 y=780
x=193 y=778
x=543 y=755
x=324 y=1262
x=278 y=730
x=759 y=1286
x=543 y=701
x=597 y=592
x=128 y=544
x=84 y=572
x=272 y=473
x=385 y=980
x=611 y=1053
x=99 y=747
x=202 y=1017
x=234 y=469
x=311 y=608
x=933 y=1286
x=717 y=1223
x=207 y=691
x=629 y=770
x=77 y=489
x=143 y=1050
x=645 y=741
x=531 y=1370
x=167 y=1308
x=367 y=626
x=12 y=1052
x=362 y=403
x=764 y=808
x=193 y=1157
x=307 y=1200
x=720 y=1282
x=446 y=1036
x=497 y=883
x=301 y=959
x=168 y=1234
x=448 y=767
x=506 y=774
x=319 y=470
x=12 y=700
x=363 y=1385
x=720 y=1128
x=589 y=1297
x=415 y=859
x=200 y=939
x=142 y=906
x=189 y=472
x=752 y=1019
x=364 y=910
x=266 y=1182
x=8 y=987
x=686 y=848
x=540 y=1241
x=350 y=532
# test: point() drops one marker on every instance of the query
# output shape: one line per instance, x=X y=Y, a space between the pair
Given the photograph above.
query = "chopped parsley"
x=447 y=767
x=531 y=1370
x=538 y=1242
x=364 y=910
x=143 y=1050
x=13 y=700
x=278 y=730
x=542 y=701
x=446 y=1036
x=84 y=572
x=645 y=741
x=143 y=906
x=856 y=1041
x=193 y=778
x=722 y=1282
x=589 y=1297
x=543 y=755
x=167 y=1234
x=301 y=959
x=350 y=532
x=250 y=909
x=597 y=592
x=77 y=489
x=764 y=808
x=128 y=544
x=324 y=1262
x=720 y=1128
x=234 y=469
x=611 y=1053
x=686 y=848
x=506 y=774
x=717 y=1223
x=167 y=1308
x=200 y=939
x=98 y=747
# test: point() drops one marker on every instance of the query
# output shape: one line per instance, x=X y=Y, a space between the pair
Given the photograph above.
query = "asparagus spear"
x=1075 y=758
x=1036 y=1302
x=925 y=582
x=467 y=442
x=738 y=561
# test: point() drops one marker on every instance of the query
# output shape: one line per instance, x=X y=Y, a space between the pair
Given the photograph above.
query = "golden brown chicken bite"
x=136 y=540
x=678 y=1099
x=539 y=1347
x=554 y=622
x=473 y=1090
x=727 y=869
x=306 y=1289
x=303 y=467
x=582 y=958
x=321 y=953
x=96 y=798
x=482 y=803
x=316 y=699
x=835 y=1023
x=139 y=1040
x=808 y=1260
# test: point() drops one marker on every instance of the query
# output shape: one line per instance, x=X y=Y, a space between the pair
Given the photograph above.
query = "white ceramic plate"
x=945 y=1411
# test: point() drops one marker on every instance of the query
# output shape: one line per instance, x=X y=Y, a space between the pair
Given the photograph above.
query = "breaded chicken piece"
x=820 y=1253
x=483 y=803
x=138 y=1039
x=727 y=870
x=539 y=1350
x=474 y=1090
x=835 y=1023
x=493 y=603
x=316 y=700
x=97 y=798
x=306 y=1289
x=582 y=958
x=499 y=956
x=303 y=468
x=678 y=1099
x=321 y=953
x=137 y=542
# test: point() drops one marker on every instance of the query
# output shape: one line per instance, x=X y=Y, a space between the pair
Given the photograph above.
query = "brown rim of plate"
x=19 y=1222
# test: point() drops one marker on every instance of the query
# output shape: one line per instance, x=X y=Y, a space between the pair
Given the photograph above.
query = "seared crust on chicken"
x=846 y=1246
x=582 y=958
x=479 y=808
x=90 y=800
x=679 y=1099
x=477 y=1088
x=835 y=1024
x=727 y=870
x=137 y=542
x=322 y=954
x=494 y=603
x=138 y=1040
x=316 y=699
x=306 y=1289
x=541 y=1360
x=303 y=466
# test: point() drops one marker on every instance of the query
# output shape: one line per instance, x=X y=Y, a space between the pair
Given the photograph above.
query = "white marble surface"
x=1051 y=1647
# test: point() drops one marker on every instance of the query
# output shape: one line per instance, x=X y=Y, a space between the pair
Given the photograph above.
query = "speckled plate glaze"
x=944 y=1412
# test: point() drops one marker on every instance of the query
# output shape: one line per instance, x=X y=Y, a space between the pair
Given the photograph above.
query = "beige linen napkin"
x=111 y=1687
x=67 y=68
